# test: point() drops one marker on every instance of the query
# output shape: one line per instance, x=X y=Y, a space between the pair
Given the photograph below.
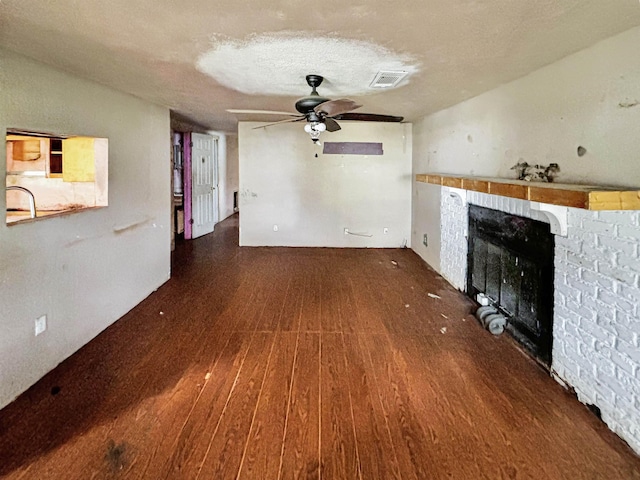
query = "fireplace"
x=510 y=260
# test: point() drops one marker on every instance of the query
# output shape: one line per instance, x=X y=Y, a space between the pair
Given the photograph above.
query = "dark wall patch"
x=582 y=151
x=352 y=148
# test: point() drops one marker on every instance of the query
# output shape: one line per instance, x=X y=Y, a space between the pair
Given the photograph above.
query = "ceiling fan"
x=321 y=113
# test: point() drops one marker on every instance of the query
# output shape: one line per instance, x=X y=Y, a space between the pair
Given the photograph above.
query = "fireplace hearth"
x=510 y=260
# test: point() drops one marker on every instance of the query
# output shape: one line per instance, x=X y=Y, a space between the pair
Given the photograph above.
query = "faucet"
x=32 y=199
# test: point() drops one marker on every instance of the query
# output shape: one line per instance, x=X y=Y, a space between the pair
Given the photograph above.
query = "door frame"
x=188 y=184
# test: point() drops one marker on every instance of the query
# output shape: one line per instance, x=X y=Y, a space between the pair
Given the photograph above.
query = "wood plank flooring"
x=276 y=363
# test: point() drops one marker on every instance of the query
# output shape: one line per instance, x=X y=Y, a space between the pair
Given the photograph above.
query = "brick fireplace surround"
x=596 y=349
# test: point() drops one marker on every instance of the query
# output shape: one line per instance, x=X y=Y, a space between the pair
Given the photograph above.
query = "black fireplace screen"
x=511 y=261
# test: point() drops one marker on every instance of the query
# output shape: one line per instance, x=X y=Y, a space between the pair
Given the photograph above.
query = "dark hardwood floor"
x=269 y=363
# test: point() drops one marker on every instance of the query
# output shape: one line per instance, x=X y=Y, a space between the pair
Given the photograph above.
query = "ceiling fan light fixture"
x=388 y=79
x=314 y=129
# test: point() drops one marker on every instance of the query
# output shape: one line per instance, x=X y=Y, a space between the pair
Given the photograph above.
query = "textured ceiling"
x=202 y=57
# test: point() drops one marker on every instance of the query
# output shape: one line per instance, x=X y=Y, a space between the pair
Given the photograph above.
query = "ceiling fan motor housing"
x=306 y=105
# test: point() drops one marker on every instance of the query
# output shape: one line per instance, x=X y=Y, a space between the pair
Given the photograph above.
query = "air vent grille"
x=387 y=79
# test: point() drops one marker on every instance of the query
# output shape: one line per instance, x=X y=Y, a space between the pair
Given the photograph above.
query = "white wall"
x=312 y=200
x=85 y=270
x=545 y=116
x=541 y=118
x=426 y=205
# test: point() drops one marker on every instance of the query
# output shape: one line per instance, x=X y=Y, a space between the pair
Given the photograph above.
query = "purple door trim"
x=187 y=185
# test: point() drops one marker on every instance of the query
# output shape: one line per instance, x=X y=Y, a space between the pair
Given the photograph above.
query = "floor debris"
x=443 y=316
x=406 y=305
x=161 y=313
x=393 y=262
x=433 y=295
x=207 y=376
x=443 y=330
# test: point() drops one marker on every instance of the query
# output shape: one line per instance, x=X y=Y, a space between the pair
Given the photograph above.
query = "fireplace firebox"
x=510 y=260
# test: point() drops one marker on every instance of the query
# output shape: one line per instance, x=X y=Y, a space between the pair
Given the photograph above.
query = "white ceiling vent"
x=387 y=79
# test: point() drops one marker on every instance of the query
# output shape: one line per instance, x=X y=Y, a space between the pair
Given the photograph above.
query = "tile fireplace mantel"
x=589 y=197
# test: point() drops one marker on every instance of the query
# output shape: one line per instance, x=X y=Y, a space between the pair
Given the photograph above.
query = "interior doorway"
x=195 y=184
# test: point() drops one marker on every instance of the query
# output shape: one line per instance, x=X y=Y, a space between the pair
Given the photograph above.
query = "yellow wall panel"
x=78 y=159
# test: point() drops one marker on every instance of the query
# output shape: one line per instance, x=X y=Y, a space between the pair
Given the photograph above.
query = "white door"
x=203 y=186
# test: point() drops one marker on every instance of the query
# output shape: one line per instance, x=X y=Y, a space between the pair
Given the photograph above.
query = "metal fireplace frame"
x=511 y=260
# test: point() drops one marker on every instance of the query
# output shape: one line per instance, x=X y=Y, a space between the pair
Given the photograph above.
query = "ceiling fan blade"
x=262 y=112
x=332 y=125
x=336 y=107
x=368 y=117
x=286 y=120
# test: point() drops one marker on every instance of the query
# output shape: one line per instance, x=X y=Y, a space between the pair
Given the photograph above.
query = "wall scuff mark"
x=635 y=103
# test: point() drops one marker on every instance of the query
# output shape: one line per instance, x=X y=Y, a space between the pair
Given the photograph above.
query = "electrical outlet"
x=385 y=230
x=275 y=228
x=41 y=324
x=424 y=240
x=346 y=231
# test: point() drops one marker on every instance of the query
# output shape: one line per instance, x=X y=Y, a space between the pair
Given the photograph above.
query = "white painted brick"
x=570 y=348
x=630 y=321
x=565 y=271
x=578 y=215
x=570 y=292
x=603 y=349
x=623 y=362
x=603 y=370
x=590 y=330
x=629 y=350
x=629 y=382
x=568 y=316
x=599 y=308
x=587 y=396
x=615 y=301
x=583 y=287
x=606 y=321
x=614 y=216
x=626 y=334
x=580 y=260
x=599 y=254
x=628 y=247
x=570 y=243
x=560 y=254
x=623 y=403
x=619 y=391
x=625 y=276
x=606 y=397
x=596 y=226
x=582 y=309
x=585 y=237
x=569 y=368
x=629 y=231
x=595 y=278
x=633 y=263
x=560 y=299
